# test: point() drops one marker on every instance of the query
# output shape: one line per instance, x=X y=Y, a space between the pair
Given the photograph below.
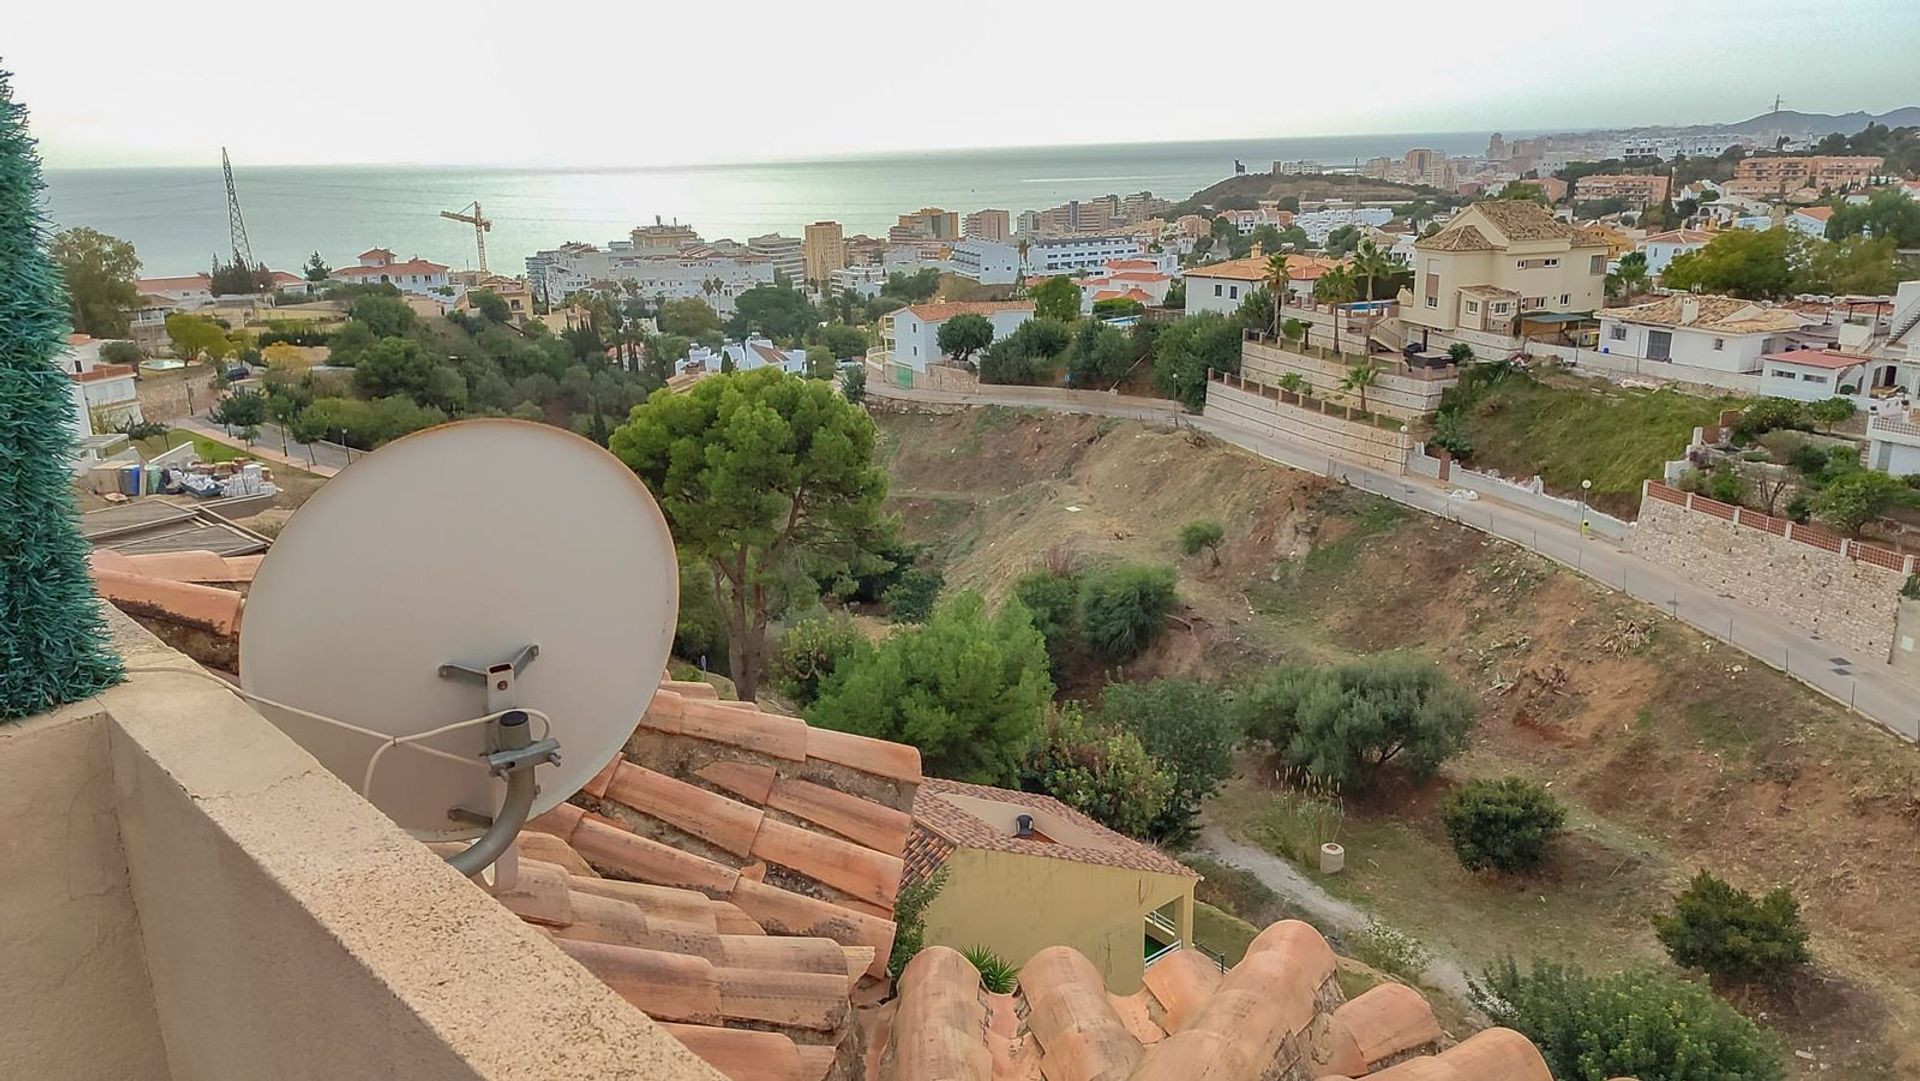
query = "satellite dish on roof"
x=469 y=613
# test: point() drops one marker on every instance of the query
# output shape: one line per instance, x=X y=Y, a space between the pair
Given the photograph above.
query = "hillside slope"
x=1674 y=752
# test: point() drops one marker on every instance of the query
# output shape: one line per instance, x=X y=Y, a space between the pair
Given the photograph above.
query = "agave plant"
x=996 y=975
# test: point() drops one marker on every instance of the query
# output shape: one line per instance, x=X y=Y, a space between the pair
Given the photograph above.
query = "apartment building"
x=1772 y=176
x=927 y=223
x=912 y=335
x=1498 y=260
x=988 y=262
x=378 y=266
x=1063 y=254
x=995 y=225
x=863 y=250
x=693 y=272
x=1638 y=191
x=823 y=251
x=784 y=252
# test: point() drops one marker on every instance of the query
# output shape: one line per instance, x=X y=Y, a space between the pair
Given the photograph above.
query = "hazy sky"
x=636 y=83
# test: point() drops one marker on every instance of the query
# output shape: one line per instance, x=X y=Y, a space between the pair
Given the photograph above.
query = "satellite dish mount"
x=512 y=753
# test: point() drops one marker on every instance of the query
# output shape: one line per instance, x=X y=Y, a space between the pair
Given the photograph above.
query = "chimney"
x=1689 y=311
x=1023 y=826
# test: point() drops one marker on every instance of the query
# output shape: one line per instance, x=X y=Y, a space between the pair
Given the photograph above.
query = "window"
x=1549 y=262
x=1565 y=299
x=1473 y=307
x=1617 y=333
x=1233 y=293
x=1433 y=302
x=1500 y=308
x=1719 y=344
x=1597 y=265
x=1216 y=288
x=1780 y=374
x=1811 y=378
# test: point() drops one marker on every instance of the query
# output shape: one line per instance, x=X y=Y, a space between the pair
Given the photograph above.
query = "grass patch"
x=1364 y=516
x=209 y=450
x=1568 y=431
x=1717 y=726
x=1221 y=933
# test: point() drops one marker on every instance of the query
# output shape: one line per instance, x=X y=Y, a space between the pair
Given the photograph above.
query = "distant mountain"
x=1788 y=120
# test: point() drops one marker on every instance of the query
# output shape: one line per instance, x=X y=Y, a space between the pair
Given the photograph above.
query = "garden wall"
x=1808 y=576
x=1332 y=434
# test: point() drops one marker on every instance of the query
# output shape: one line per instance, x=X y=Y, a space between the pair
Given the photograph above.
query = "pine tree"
x=53 y=643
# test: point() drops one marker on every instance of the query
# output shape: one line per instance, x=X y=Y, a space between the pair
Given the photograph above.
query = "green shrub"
x=1053 y=600
x=1124 y=608
x=1450 y=434
x=910 y=598
x=969 y=689
x=996 y=974
x=910 y=919
x=1768 y=414
x=1203 y=535
x=809 y=653
x=1727 y=932
x=1342 y=723
x=1504 y=825
x=1103 y=772
x=1724 y=485
x=1187 y=727
x=1856 y=499
x=853 y=384
x=1645 y=1024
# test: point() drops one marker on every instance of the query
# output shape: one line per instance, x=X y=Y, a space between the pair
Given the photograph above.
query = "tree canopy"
x=760 y=474
x=1187 y=350
x=1344 y=722
x=777 y=312
x=99 y=271
x=964 y=335
x=1747 y=263
x=1187 y=727
x=1056 y=298
x=967 y=688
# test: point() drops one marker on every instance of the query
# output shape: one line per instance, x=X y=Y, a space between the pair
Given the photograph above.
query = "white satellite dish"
x=489 y=567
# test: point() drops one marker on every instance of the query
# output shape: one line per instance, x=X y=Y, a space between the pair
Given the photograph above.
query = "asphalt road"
x=1862 y=683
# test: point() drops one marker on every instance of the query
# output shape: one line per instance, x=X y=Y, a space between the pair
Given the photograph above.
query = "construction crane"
x=480 y=224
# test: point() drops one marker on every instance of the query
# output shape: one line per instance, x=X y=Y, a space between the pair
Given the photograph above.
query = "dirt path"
x=1327 y=912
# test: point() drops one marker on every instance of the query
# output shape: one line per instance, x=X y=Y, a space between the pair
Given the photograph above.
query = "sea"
x=177 y=218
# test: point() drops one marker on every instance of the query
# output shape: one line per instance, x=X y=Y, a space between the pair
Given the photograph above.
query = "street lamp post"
x=1586 y=487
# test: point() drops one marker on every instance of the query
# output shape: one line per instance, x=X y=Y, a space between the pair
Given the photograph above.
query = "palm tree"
x=1369 y=265
x=1359 y=377
x=1335 y=287
x=1277 y=278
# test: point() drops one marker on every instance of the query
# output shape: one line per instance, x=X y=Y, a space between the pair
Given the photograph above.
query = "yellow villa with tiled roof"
x=1497 y=261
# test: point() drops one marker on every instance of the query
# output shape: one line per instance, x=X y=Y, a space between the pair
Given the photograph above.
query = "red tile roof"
x=1816 y=358
x=1280 y=1013
x=941 y=311
x=411 y=266
x=950 y=821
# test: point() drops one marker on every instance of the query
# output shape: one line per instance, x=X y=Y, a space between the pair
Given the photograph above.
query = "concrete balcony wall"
x=285 y=927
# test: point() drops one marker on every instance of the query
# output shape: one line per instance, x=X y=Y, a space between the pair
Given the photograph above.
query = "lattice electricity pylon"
x=236 y=225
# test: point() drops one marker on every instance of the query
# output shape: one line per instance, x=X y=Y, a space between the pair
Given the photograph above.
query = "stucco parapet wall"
x=285 y=880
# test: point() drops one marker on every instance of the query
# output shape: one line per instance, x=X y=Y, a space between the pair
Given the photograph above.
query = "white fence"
x=1528 y=494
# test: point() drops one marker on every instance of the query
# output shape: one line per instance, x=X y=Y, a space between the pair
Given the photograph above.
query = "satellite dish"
x=487 y=569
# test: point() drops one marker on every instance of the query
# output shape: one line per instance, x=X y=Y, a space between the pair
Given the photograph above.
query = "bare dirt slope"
x=1674 y=752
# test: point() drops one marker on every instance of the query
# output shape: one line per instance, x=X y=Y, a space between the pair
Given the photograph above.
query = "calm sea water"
x=177 y=217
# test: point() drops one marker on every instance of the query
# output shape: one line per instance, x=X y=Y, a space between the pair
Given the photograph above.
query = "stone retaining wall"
x=1846 y=600
x=1354 y=441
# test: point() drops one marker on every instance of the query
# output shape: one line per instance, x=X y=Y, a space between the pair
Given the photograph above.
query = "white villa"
x=379 y=266
x=1715 y=334
x=912 y=334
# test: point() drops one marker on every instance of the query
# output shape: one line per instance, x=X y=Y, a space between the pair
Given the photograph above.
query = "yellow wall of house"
x=1018 y=905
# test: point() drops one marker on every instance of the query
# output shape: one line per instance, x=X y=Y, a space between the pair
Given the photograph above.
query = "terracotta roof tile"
x=783 y=912
x=961 y=827
x=1498 y=1054
x=1182 y=982
x=1455 y=238
x=864 y=753
x=744 y=1054
x=612 y=849
x=926 y=851
x=1730 y=314
x=1522 y=219
x=545 y=846
x=877 y=827
x=707 y=815
x=1387 y=1023
x=936 y=1031
x=860 y=872
x=1069 y=1013
x=216 y=611
x=748 y=780
x=719 y=722
x=539 y=894
x=941 y=311
x=193 y=566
